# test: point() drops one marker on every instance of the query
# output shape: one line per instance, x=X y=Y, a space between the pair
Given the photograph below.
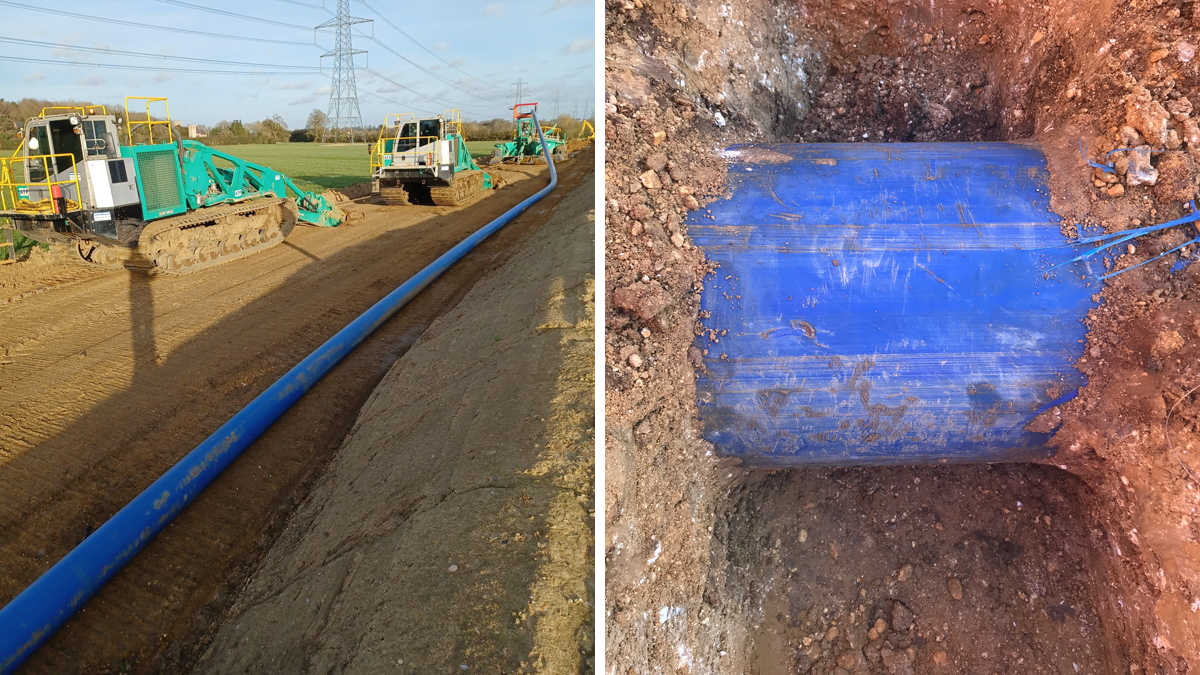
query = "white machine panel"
x=111 y=183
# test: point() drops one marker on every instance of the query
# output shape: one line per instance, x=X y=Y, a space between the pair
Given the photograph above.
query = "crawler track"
x=466 y=187
x=200 y=239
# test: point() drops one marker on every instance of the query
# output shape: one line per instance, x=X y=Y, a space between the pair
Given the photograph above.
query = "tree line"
x=14 y=114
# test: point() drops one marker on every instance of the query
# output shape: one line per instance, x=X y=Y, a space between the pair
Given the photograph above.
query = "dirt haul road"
x=109 y=378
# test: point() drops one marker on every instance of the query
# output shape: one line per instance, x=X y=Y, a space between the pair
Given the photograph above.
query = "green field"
x=318 y=167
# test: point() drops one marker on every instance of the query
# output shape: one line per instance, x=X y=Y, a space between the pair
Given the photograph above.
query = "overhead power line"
x=144 y=55
x=422 y=69
x=234 y=15
x=134 y=24
x=421 y=95
x=395 y=102
x=303 y=4
x=430 y=51
x=118 y=66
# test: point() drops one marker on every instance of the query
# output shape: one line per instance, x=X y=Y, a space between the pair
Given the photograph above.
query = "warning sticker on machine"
x=101 y=216
x=23 y=192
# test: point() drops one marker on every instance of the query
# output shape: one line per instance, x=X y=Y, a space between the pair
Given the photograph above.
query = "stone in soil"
x=1146 y=115
x=1140 y=172
x=955 y=587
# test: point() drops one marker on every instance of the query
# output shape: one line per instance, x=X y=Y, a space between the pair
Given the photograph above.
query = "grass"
x=21 y=243
x=319 y=167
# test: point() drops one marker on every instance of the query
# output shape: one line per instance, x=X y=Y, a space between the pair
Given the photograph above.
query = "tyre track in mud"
x=107 y=382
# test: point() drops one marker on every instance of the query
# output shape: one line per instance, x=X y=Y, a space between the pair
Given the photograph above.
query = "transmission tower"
x=518 y=84
x=343 y=93
x=557 y=98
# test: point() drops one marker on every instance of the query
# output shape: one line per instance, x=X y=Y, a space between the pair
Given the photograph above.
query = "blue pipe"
x=41 y=609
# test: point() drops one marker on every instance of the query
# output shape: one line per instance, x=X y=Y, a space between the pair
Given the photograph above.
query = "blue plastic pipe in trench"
x=33 y=616
x=887 y=304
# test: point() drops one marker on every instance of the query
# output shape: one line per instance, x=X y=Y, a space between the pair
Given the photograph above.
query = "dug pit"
x=1088 y=563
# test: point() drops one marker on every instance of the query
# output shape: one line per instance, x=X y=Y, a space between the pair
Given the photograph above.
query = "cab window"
x=407 y=139
x=34 y=169
x=65 y=142
x=430 y=131
x=98 y=142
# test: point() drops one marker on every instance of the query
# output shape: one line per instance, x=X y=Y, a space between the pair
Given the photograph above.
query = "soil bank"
x=453 y=530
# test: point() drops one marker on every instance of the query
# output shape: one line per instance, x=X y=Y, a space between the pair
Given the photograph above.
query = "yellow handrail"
x=83 y=109
x=149 y=122
x=377 y=151
x=454 y=117
x=10 y=196
x=379 y=148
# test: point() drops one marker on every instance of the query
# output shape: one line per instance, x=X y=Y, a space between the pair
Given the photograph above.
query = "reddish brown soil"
x=109 y=378
x=1088 y=565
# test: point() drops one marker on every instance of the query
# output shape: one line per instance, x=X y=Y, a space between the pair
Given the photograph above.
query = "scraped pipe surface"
x=886 y=304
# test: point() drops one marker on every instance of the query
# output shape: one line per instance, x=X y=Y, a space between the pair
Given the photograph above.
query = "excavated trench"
x=952 y=568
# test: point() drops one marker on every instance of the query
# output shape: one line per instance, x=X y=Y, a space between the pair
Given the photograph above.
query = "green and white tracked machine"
x=526 y=144
x=170 y=206
x=426 y=159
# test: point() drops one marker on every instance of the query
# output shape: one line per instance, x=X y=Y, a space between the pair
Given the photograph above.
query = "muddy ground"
x=454 y=529
x=1090 y=563
x=108 y=378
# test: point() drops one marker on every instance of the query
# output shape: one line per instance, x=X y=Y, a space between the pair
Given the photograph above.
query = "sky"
x=468 y=55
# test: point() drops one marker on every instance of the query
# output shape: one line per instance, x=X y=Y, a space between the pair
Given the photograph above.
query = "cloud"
x=441 y=46
x=494 y=9
x=306 y=100
x=160 y=77
x=33 y=77
x=92 y=81
x=580 y=46
x=295 y=85
x=559 y=4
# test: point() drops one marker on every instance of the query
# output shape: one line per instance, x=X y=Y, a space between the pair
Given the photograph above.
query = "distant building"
x=196 y=131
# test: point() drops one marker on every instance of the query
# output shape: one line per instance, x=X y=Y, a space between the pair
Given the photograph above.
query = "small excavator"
x=166 y=205
x=426 y=159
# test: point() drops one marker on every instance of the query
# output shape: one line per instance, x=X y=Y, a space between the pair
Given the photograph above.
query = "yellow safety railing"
x=453 y=117
x=377 y=152
x=10 y=188
x=83 y=109
x=149 y=121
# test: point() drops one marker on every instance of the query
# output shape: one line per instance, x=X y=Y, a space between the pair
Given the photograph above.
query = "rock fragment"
x=1191 y=136
x=955 y=587
x=650 y=180
x=1140 y=172
x=937 y=115
x=1146 y=115
x=1180 y=108
x=644 y=299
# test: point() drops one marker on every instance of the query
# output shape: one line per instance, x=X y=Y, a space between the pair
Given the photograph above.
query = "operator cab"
x=92 y=137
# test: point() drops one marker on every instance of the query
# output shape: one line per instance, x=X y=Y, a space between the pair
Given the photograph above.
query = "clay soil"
x=108 y=378
x=1088 y=563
